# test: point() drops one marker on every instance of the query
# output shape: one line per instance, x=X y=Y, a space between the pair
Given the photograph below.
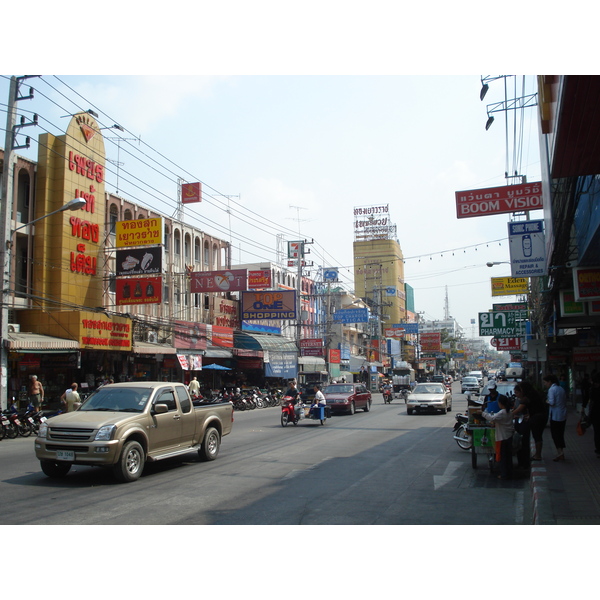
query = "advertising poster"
x=431 y=342
x=142 y=290
x=139 y=261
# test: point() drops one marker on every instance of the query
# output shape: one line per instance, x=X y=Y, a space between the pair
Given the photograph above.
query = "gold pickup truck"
x=125 y=425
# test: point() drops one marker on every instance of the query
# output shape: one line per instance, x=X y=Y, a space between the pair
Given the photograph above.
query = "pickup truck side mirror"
x=159 y=409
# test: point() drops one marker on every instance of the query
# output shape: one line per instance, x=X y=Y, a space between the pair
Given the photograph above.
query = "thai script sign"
x=142 y=290
x=527 y=248
x=431 y=342
x=259 y=280
x=412 y=328
x=139 y=232
x=105 y=333
x=505 y=344
x=139 y=261
x=373 y=223
x=509 y=286
x=498 y=200
x=505 y=324
x=586 y=283
x=234 y=280
x=269 y=305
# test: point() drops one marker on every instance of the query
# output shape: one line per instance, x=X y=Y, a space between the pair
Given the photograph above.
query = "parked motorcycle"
x=461 y=434
x=7 y=426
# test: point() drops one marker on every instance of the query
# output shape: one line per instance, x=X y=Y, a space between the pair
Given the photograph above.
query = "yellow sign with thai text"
x=509 y=286
x=139 y=232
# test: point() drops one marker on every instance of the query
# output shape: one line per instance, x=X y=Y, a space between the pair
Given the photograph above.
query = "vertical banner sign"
x=191 y=192
x=527 y=248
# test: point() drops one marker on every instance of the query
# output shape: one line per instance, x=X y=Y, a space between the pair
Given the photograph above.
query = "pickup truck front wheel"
x=210 y=444
x=131 y=462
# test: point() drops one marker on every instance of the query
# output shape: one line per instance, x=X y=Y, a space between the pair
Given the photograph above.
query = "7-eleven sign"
x=295 y=249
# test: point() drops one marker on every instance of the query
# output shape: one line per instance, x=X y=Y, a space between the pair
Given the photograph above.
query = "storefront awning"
x=38 y=343
x=148 y=348
x=258 y=341
x=218 y=353
x=311 y=360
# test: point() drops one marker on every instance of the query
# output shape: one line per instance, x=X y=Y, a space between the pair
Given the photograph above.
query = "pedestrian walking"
x=504 y=427
x=557 y=401
x=71 y=398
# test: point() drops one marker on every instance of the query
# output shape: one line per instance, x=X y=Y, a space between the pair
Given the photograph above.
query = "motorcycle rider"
x=387 y=390
x=293 y=393
x=320 y=401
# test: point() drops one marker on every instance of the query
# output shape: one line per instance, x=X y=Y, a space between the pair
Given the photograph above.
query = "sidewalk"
x=567 y=492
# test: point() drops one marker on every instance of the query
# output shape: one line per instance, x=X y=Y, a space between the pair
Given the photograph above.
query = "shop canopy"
x=36 y=343
x=258 y=341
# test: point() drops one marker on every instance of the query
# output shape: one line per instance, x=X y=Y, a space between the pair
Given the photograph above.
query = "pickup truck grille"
x=70 y=434
x=56 y=447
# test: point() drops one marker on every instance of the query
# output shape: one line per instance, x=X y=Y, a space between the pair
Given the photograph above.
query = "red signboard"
x=431 y=342
x=233 y=280
x=586 y=283
x=259 y=280
x=499 y=200
x=142 y=290
x=502 y=344
x=335 y=356
x=191 y=192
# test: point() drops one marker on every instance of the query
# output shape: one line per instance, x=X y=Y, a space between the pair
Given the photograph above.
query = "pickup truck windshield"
x=118 y=399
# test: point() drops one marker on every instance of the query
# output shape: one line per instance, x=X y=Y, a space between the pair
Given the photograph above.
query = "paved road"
x=381 y=467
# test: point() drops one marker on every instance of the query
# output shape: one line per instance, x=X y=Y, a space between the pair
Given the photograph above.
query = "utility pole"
x=6 y=220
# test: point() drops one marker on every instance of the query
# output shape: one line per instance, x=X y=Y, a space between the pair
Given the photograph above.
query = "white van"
x=477 y=374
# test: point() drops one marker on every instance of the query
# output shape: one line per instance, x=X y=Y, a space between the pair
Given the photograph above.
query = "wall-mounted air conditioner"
x=14 y=328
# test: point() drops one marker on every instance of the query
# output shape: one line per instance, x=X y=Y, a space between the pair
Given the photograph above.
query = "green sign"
x=501 y=324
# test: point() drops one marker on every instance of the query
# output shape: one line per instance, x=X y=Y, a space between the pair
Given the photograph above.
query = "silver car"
x=429 y=397
x=469 y=384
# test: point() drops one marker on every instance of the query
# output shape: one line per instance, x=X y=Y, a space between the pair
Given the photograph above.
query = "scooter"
x=461 y=433
x=387 y=396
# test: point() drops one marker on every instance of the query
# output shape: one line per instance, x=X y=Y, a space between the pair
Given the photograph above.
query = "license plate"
x=65 y=455
x=17 y=422
x=424 y=406
x=43 y=419
x=30 y=420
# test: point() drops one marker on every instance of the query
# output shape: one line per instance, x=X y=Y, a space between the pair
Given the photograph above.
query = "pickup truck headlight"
x=43 y=430
x=105 y=433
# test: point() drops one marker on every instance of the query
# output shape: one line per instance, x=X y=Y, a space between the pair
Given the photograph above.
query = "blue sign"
x=412 y=328
x=330 y=275
x=352 y=315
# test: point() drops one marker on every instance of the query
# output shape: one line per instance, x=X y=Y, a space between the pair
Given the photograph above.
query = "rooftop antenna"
x=298 y=209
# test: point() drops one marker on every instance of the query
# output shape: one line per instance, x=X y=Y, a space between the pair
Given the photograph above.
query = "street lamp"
x=503 y=262
x=75 y=204
x=6 y=238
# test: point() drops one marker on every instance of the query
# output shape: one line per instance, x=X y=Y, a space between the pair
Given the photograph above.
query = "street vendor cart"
x=483 y=435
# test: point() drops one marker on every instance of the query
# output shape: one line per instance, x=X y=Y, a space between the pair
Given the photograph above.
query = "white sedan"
x=429 y=397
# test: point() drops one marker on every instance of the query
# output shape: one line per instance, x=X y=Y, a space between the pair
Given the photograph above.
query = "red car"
x=347 y=397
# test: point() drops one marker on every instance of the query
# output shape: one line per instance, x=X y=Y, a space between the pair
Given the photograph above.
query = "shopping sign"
x=498 y=200
x=506 y=344
x=501 y=324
